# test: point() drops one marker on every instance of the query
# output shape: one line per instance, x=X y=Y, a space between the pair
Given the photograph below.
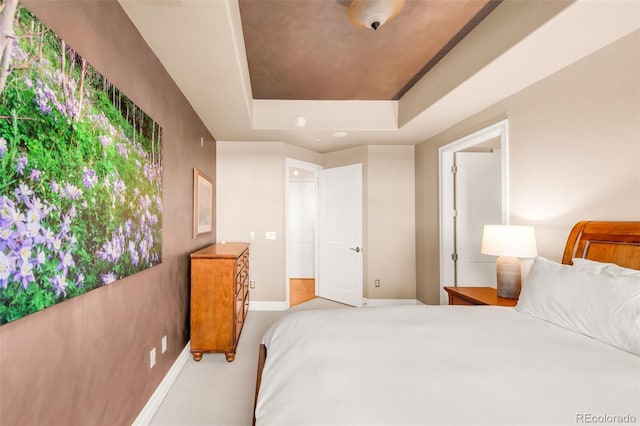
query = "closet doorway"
x=473 y=192
x=301 y=224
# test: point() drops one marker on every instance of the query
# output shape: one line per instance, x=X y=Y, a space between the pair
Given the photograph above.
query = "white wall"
x=250 y=197
x=391 y=224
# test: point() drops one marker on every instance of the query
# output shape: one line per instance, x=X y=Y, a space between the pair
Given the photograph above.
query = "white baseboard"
x=389 y=302
x=268 y=306
x=283 y=306
x=153 y=404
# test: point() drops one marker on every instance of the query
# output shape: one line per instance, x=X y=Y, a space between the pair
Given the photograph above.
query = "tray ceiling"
x=309 y=49
x=201 y=44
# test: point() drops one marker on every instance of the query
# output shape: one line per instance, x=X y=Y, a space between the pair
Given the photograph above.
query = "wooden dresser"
x=219 y=298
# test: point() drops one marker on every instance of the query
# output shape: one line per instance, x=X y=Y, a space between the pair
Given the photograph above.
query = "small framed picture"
x=202 y=204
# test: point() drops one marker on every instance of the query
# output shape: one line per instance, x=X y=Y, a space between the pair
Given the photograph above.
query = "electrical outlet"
x=377 y=283
x=252 y=284
x=152 y=358
x=164 y=344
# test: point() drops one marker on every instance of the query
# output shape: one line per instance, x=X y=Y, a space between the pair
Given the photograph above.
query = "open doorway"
x=323 y=224
x=301 y=219
x=466 y=205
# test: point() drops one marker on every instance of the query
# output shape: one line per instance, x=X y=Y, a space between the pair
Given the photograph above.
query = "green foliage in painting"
x=80 y=176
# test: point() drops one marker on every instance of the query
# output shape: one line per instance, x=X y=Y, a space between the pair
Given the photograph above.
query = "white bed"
x=440 y=365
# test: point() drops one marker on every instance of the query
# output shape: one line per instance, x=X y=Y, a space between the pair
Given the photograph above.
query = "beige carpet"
x=216 y=392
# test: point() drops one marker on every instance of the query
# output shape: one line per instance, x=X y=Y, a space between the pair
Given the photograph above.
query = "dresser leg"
x=230 y=356
x=197 y=356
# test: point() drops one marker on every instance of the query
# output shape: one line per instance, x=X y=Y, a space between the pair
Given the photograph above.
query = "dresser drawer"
x=242 y=262
x=239 y=305
x=242 y=271
x=453 y=300
x=239 y=282
x=241 y=313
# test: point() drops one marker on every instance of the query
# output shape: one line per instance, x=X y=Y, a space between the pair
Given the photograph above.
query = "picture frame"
x=202 y=204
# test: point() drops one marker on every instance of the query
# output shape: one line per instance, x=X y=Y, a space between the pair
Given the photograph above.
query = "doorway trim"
x=290 y=162
x=446 y=189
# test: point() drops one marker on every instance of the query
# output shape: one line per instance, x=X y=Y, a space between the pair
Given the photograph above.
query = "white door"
x=478 y=202
x=340 y=234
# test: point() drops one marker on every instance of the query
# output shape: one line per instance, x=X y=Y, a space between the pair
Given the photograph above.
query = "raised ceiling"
x=201 y=45
x=301 y=50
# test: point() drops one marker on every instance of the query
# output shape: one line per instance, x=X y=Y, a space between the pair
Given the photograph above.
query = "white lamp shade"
x=507 y=240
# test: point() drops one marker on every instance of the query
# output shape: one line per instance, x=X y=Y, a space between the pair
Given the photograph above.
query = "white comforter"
x=440 y=365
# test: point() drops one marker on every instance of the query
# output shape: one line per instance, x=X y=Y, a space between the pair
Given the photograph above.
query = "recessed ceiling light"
x=300 y=121
x=317 y=139
x=339 y=134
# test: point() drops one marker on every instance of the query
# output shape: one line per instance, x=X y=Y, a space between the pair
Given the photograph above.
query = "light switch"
x=252 y=235
x=270 y=235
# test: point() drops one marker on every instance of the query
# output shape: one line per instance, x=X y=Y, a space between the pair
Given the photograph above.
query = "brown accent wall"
x=86 y=361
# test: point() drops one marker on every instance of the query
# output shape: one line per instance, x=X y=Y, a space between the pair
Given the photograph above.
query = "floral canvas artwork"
x=80 y=173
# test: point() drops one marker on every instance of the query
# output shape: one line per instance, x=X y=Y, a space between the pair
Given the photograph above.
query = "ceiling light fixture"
x=373 y=13
x=300 y=121
x=339 y=134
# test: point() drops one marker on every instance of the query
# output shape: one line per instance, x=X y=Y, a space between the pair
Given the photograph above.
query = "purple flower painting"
x=80 y=175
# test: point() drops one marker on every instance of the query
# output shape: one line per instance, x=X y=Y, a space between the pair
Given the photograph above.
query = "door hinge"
x=455 y=213
x=454 y=257
x=454 y=169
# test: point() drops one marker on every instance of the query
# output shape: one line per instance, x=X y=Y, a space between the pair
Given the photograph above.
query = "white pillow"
x=610 y=269
x=589 y=300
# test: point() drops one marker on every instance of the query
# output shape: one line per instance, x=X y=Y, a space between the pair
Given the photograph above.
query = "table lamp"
x=509 y=243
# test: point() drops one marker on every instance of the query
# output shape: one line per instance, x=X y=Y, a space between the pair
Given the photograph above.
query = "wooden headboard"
x=612 y=242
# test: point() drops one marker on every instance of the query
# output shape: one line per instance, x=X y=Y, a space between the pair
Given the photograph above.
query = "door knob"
x=356 y=249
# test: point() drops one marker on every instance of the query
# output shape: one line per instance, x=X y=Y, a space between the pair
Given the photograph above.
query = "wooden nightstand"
x=477 y=296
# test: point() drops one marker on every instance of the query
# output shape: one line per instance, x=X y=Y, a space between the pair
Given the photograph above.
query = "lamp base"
x=509 y=277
